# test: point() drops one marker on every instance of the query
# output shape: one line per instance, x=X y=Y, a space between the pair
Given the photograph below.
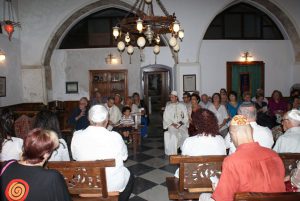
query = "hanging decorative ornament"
x=127 y=38
x=130 y=51
x=121 y=46
x=172 y=41
x=141 y=41
x=9 y=28
x=176 y=48
x=156 y=50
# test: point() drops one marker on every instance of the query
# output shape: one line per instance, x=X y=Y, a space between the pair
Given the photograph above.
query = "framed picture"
x=2 y=86
x=72 y=87
x=189 y=83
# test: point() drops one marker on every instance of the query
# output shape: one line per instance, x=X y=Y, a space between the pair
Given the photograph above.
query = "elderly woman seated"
x=27 y=179
x=206 y=139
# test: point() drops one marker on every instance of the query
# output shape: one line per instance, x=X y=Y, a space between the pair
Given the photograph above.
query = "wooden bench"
x=267 y=196
x=86 y=180
x=290 y=161
x=195 y=171
x=194 y=174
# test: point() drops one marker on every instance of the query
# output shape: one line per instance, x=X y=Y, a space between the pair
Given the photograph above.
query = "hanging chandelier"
x=8 y=21
x=144 y=28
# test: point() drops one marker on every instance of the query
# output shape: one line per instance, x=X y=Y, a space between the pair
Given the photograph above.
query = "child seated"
x=126 y=123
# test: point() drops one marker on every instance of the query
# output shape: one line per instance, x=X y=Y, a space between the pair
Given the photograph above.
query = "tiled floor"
x=150 y=166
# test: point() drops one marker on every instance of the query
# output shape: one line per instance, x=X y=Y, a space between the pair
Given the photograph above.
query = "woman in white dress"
x=221 y=113
x=10 y=146
x=46 y=119
x=207 y=140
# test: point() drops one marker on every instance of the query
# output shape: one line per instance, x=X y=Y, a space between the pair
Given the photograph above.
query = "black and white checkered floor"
x=150 y=167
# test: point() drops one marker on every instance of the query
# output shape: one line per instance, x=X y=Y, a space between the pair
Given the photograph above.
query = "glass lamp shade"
x=176 y=47
x=148 y=1
x=139 y=25
x=130 y=49
x=116 y=32
x=2 y=57
x=172 y=41
x=157 y=39
x=176 y=26
x=181 y=34
x=141 y=42
x=156 y=49
x=121 y=46
x=127 y=38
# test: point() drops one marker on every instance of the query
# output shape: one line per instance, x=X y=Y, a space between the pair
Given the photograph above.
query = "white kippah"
x=98 y=113
x=174 y=93
x=294 y=115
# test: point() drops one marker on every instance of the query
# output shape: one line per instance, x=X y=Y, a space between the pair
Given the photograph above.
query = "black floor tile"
x=137 y=198
x=140 y=169
x=140 y=157
x=164 y=184
x=141 y=185
x=170 y=168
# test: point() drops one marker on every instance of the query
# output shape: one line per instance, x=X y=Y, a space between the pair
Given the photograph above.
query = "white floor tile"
x=157 y=176
x=157 y=193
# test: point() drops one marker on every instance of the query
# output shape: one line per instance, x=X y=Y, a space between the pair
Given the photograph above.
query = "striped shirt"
x=126 y=121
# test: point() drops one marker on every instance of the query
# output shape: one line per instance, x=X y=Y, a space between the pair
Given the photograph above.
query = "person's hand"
x=174 y=125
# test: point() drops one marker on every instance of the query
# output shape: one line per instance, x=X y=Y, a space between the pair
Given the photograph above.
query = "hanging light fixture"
x=145 y=28
x=8 y=21
x=2 y=56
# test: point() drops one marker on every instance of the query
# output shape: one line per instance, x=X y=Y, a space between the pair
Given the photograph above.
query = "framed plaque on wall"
x=2 y=86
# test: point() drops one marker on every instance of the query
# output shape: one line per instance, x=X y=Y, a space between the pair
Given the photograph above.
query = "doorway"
x=156 y=83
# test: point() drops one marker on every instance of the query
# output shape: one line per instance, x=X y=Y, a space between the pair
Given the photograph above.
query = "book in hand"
x=180 y=124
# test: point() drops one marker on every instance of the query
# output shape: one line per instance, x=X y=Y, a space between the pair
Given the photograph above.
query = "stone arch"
x=69 y=22
x=279 y=16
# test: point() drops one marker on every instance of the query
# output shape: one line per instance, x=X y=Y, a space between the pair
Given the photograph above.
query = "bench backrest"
x=289 y=196
x=84 y=177
x=197 y=170
x=290 y=161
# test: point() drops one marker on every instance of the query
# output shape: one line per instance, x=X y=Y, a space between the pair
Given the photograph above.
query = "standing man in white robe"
x=176 y=120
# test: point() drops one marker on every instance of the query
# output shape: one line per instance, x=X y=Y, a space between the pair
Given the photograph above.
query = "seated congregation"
x=259 y=136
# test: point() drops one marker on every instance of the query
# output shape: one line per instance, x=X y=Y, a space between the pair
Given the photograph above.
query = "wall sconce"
x=246 y=57
x=111 y=59
x=2 y=56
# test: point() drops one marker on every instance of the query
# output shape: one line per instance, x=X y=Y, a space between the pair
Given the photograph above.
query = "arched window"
x=243 y=22
x=95 y=30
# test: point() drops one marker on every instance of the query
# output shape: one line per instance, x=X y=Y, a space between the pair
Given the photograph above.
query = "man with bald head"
x=252 y=168
x=290 y=140
x=262 y=135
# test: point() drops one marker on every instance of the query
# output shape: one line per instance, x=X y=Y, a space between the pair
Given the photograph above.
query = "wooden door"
x=156 y=89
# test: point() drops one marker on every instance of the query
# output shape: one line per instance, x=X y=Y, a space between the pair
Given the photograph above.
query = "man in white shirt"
x=114 y=113
x=262 y=135
x=176 y=120
x=97 y=143
x=205 y=103
x=289 y=142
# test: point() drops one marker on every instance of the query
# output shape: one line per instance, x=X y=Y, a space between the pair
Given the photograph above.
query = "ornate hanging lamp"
x=8 y=21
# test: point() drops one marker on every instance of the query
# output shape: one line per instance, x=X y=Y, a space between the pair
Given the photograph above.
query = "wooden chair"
x=289 y=196
x=194 y=176
x=86 y=180
x=290 y=161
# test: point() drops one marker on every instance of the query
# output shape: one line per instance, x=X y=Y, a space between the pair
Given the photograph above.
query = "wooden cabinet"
x=108 y=83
